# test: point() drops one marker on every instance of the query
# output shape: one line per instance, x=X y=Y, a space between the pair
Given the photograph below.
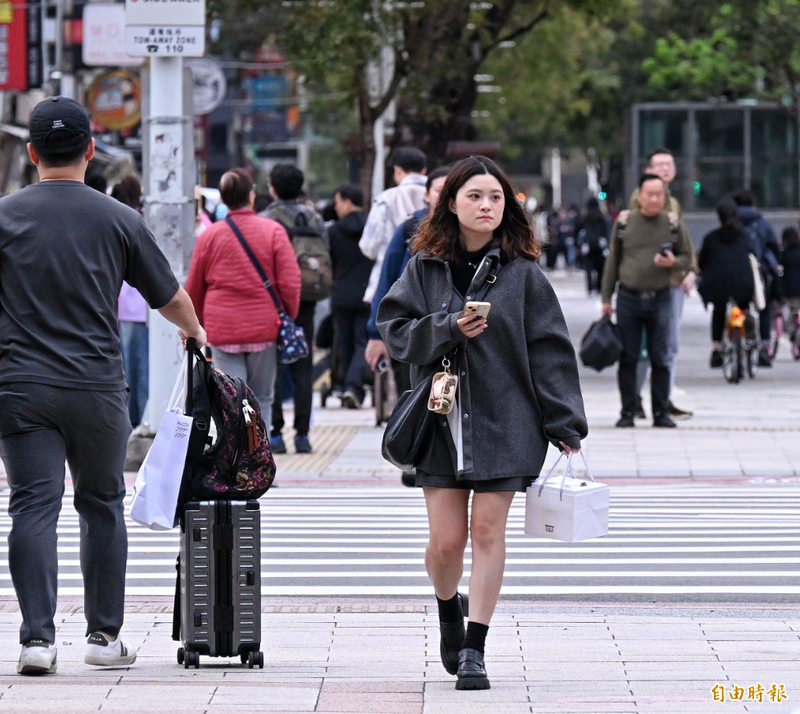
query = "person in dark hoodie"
x=351 y=271
x=725 y=272
x=790 y=260
x=767 y=250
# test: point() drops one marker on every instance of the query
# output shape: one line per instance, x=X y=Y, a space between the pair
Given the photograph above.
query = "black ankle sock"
x=476 y=636
x=449 y=610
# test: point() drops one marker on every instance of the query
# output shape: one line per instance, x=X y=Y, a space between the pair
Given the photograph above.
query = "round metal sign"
x=115 y=99
x=209 y=84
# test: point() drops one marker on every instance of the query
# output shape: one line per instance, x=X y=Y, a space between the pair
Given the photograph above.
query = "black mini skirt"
x=513 y=483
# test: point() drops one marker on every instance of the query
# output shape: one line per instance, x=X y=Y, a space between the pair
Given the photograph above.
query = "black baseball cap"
x=59 y=125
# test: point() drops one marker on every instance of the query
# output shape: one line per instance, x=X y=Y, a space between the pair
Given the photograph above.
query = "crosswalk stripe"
x=680 y=539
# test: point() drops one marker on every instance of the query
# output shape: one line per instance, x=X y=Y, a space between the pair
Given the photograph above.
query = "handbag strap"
x=261 y=272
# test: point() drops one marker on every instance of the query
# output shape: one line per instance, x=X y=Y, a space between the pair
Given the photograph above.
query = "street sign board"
x=165 y=12
x=103 y=36
x=165 y=40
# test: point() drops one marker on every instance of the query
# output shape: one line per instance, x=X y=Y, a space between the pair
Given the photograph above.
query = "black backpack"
x=232 y=461
x=313 y=256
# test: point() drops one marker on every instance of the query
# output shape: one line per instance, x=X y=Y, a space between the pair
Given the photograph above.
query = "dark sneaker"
x=678 y=414
x=350 y=400
x=101 y=652
x=716 y=359
x=302 y=445
x=639 y=411
x=37 y=657
x=276 y=445
x=663 y=421
x=763 y=358
x=625 y=421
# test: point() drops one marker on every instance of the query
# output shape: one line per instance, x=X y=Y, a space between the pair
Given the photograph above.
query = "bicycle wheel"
x=751 y=350
x=731 y=358
x=776 y=330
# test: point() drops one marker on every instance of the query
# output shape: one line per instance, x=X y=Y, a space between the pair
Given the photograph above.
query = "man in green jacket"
x=643 y=255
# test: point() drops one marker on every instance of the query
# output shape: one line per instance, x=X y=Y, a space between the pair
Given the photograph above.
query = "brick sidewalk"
x=380 y=657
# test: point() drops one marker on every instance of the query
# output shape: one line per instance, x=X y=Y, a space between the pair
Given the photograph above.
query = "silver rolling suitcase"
x=218 y=598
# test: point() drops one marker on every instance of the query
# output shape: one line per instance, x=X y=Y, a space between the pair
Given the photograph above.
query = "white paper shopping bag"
x=158 y=483
x=570 y=510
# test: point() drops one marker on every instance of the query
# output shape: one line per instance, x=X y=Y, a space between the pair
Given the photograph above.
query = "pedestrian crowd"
x=437 y=281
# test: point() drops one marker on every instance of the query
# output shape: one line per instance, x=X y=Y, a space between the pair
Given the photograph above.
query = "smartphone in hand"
x=473 y=307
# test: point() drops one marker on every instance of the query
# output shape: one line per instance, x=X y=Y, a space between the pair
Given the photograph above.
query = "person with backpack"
x=592 y=233
x=229 y=296
x=351 y=270
x=767 y=250
x=309 y=239
x=65 y=250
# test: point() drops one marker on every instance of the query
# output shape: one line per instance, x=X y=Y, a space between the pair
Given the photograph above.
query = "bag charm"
x=443 y=390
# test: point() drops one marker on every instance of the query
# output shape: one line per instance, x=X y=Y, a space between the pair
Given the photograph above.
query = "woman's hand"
x=472 y=325
x=566 y=450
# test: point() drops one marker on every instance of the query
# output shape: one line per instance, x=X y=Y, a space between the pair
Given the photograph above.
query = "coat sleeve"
x=684 y=253
x=373 y=240
x=196 y=280
x=390 y=272
x=287 y=272
x=611 y=269
x=554 y=369
x=411 y=332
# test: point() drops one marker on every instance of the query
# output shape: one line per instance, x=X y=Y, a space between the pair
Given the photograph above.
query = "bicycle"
x=776 y=330
x=740 y=346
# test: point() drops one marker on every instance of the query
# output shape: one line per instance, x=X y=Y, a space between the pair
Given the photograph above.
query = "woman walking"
x=228 y=295
x=518 y=389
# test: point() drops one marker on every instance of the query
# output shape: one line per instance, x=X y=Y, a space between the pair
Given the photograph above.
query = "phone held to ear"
x=473 y=307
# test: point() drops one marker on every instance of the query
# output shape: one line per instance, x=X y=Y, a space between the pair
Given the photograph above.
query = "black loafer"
x=625 y=421
x=452 y=637
x=471 y=672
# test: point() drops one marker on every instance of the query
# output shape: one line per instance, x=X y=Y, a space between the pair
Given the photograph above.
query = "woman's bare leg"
x=448 y=526
x=488 y=535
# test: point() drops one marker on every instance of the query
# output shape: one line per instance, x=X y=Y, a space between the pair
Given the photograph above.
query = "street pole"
x=168 y=168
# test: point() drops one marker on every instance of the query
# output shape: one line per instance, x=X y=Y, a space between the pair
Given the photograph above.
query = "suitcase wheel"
x=191 y=659
x=255 y=659
x=181 y=653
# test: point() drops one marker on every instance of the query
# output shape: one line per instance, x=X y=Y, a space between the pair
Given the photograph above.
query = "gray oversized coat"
x=518 y=380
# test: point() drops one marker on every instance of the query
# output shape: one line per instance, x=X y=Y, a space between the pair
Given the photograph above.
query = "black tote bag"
x=601 y=346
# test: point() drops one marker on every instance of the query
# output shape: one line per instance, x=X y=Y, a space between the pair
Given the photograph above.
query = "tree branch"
x=400 y=69
x=524 y=29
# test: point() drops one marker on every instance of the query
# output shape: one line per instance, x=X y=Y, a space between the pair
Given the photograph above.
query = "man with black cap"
x=64 y=251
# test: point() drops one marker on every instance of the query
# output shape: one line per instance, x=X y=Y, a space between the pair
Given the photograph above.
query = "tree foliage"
x=747 y=48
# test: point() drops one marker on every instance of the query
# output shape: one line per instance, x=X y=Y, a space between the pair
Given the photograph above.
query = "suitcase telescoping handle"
x=191 y=346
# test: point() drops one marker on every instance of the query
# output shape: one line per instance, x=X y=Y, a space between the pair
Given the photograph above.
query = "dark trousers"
x=41 y=427
x=402 y=376
x=351 y=326
x=719 y=314
x=594 y=264
x=765 y=316
x=302 y=373
x=634 y=313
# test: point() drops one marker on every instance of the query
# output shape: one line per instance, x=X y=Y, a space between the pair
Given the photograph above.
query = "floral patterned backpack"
x=228 y=456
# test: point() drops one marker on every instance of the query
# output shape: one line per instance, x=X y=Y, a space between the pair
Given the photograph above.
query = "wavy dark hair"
x=438 y=233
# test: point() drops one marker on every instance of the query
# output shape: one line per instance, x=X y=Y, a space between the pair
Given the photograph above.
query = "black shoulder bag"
x=412 y=426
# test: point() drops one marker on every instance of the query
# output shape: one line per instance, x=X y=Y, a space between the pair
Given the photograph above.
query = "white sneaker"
x=37 y=657
x=103 y=653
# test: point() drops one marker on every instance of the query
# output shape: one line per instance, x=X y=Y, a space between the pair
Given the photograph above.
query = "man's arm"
x=610 y=271
x=374 y=240
x=180 y=312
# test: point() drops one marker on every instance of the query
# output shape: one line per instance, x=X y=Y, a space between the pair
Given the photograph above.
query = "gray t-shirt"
x=64 y=251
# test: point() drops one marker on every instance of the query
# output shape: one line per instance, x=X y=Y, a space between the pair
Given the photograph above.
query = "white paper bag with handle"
x=155 y=495
x=572 y=510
